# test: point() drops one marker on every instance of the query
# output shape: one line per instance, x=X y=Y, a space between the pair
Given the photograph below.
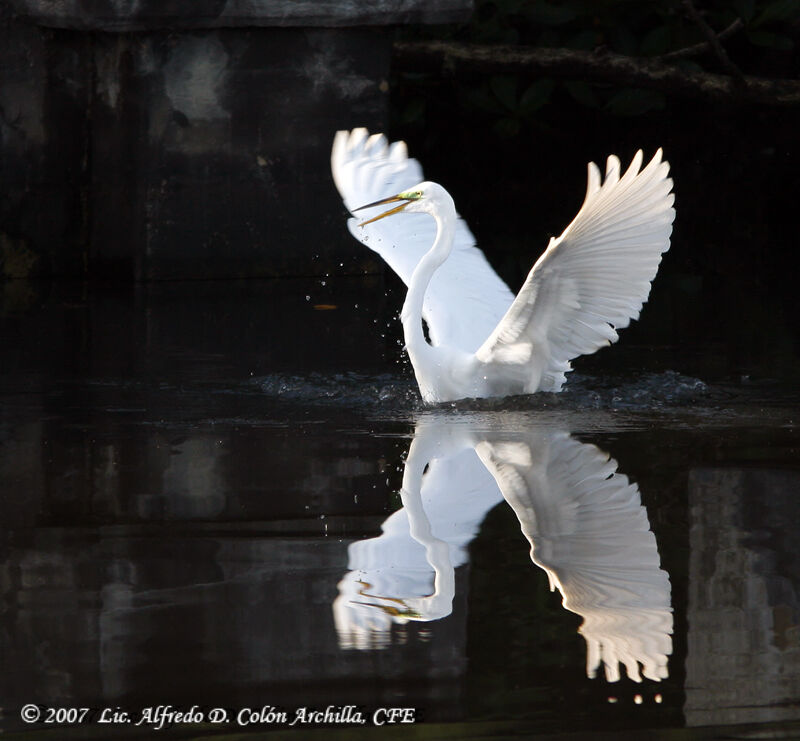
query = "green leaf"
x=634 y=102
x=586 y=40
x=623 y=40
x=770 y=40
x=537 y=95
x=583 y=93
x=688 y=65
x=549 y=38
x=550 y=15
x=505 y=90
x=481 y=99
x=506 y=128
x=490 y=31
x=778 y=10
x=656 y=41
x=745 y=9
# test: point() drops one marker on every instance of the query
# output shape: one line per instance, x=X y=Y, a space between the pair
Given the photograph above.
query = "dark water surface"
x=228 y=495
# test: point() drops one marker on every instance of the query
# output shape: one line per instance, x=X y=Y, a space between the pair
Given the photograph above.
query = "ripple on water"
x=650 y=391
x=342 y=389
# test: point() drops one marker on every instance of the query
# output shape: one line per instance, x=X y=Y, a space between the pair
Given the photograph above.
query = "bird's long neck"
x=411 y=315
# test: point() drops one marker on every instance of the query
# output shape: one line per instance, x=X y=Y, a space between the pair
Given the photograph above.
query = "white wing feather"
x=466 y=299
x=590 y=281
x=589 y=531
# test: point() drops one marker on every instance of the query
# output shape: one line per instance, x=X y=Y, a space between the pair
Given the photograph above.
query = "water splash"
x=342 y=389
x=651 y=391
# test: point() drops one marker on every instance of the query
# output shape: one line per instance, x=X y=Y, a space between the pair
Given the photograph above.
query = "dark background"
x=114 y=175
x=512 y=147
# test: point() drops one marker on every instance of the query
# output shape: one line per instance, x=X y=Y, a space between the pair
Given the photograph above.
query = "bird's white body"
x=590 y=281
x=443 y=372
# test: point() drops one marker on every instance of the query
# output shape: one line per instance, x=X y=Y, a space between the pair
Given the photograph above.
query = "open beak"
x=392 y=199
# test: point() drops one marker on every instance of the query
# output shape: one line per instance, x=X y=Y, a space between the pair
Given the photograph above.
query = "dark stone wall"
x=123 y=15
x=210 y=150
x=44 y=90
x=180 y=147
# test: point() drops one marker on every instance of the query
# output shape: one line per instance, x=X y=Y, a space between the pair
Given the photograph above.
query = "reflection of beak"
x=405 y=611
x=392 y=199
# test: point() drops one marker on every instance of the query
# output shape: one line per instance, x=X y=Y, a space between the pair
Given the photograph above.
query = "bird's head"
x=426 y=198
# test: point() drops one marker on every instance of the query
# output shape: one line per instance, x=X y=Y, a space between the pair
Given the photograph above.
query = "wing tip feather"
x=593 y=179
x=635 y=210
x=612 y=168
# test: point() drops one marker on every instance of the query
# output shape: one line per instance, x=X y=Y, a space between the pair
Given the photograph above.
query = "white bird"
x=584 y=520
x=484 y=342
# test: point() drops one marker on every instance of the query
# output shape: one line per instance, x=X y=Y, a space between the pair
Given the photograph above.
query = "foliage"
x=766 y=44
x=634 y=27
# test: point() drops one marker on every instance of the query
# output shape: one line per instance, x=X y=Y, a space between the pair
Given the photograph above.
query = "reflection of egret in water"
x=408 y=572
x=587 y=528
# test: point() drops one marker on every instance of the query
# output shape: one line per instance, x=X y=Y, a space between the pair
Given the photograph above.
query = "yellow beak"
x=391 y=199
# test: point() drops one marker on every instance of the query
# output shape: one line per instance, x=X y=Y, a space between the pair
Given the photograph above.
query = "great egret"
x=588 y=283
x=584 y=520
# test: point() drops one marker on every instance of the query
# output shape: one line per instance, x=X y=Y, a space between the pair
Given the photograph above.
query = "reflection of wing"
x=466 y=299
x=590 y=281
x=590 y=533
x=407 y=573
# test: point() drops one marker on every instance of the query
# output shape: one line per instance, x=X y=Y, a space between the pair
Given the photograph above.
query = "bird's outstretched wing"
x=466 y=299
x=589 y=531
x=590 y=281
